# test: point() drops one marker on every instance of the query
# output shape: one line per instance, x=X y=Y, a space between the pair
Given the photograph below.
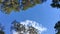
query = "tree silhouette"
x=8 y=5
x=22 y=28
x=1 y=30
x=32 y=30
x=57 y=27
x=55 y=3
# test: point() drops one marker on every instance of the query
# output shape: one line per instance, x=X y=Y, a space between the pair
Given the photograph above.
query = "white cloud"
x=34 y=24
x=14 y=32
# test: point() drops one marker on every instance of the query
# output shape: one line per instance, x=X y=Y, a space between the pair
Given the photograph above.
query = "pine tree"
x=9 y=5
x=57 y=27
x=55 y=3
x=21 y=29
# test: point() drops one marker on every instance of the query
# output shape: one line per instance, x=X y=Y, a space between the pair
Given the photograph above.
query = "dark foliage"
x=8 y=5
x=20 y=27
x=2 y=32
x=55 y=3
x=57 y=27
x=1 y=29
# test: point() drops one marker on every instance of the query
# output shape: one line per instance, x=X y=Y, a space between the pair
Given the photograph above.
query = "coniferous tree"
x=22 y=29
x=57 y=27
x=55 y=3
x=8 y=5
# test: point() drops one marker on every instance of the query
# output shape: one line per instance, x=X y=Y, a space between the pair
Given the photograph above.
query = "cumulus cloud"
x=35 y=24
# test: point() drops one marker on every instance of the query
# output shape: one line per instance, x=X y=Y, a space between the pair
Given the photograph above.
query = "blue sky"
x=42 y=13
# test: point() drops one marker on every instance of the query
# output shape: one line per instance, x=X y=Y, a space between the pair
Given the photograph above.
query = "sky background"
x=42 y=13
